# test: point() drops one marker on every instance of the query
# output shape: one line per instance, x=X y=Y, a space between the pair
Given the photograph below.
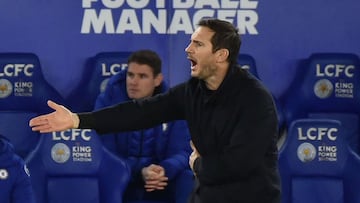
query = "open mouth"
x=193 y=63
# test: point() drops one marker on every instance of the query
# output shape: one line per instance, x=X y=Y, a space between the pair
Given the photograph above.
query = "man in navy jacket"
x=15 y=185
x=162 y=150
x=231 y=116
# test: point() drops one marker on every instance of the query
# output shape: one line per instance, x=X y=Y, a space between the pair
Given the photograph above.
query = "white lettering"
x=247 y=19
x=150 y=20
x=23 y=84
x=128 y=21
x=327 y=149
x=139 y=20
x=112 y=69
x=87 y=3
x=160 y=3
x=91 y=19
x=344 y=85
x=334 y=70
x=14 y=70
x=317 y=133
x=81 y=149
x=72 y=135
x=180 y=22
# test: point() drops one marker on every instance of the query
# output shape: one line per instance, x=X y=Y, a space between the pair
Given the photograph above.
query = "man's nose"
x=133 y=81
x=188 y=48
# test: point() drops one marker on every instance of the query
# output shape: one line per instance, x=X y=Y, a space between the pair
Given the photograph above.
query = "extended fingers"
x=40 y=120
x=53 y=105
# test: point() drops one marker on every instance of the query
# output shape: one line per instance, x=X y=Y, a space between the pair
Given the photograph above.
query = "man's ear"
x=222 y=55
x=158 y=79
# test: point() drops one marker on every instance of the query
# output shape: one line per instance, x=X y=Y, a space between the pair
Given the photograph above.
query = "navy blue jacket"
x=234 y=129
x=15 y=185
x=166 y=144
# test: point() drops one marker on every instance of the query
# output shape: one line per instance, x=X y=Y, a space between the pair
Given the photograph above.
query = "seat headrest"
x=22 y=84
x=247 y=62
x=315 y=146
x=98 y=71
x=70 y=152
x=326 y=82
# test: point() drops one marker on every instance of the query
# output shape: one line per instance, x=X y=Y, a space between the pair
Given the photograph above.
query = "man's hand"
x=59 y=120
x=193 y=156
x=154 y=177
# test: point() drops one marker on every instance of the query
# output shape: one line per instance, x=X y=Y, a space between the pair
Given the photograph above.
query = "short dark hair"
x=147 y=57
x=226 y=37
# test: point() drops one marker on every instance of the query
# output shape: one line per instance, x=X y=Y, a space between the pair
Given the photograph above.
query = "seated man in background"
x=15 y=185
x=158 y=156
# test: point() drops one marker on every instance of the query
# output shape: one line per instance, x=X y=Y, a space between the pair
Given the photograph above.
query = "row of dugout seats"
x=319 y=160
x=324 y=94
x=24 y=91
x=319 y=121
x=72 y=166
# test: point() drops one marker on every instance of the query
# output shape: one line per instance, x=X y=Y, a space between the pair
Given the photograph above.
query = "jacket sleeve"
x=134 y=115
x=23 y=189
x=178 y=149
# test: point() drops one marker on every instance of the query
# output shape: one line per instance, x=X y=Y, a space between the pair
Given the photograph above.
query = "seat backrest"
x=327 y=85
x=23 y=95
x=313 y=160
x=247 y=62
x=73 y=166
x=96 y=74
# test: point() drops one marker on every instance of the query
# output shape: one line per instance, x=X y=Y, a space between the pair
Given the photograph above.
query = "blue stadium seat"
x=73 y=166
x=247 y=62
x=96 y=74
x=326 y=86
x=23 y=95
x=317 y=164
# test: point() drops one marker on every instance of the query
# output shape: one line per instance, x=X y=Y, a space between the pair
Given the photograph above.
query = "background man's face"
x=140 y=81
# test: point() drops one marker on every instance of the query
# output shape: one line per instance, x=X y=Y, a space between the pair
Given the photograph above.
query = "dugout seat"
x=326 y=85
x=23 y=95
x=73 y=166
x=247 y=62
x=317 y=164
x=96 y=74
